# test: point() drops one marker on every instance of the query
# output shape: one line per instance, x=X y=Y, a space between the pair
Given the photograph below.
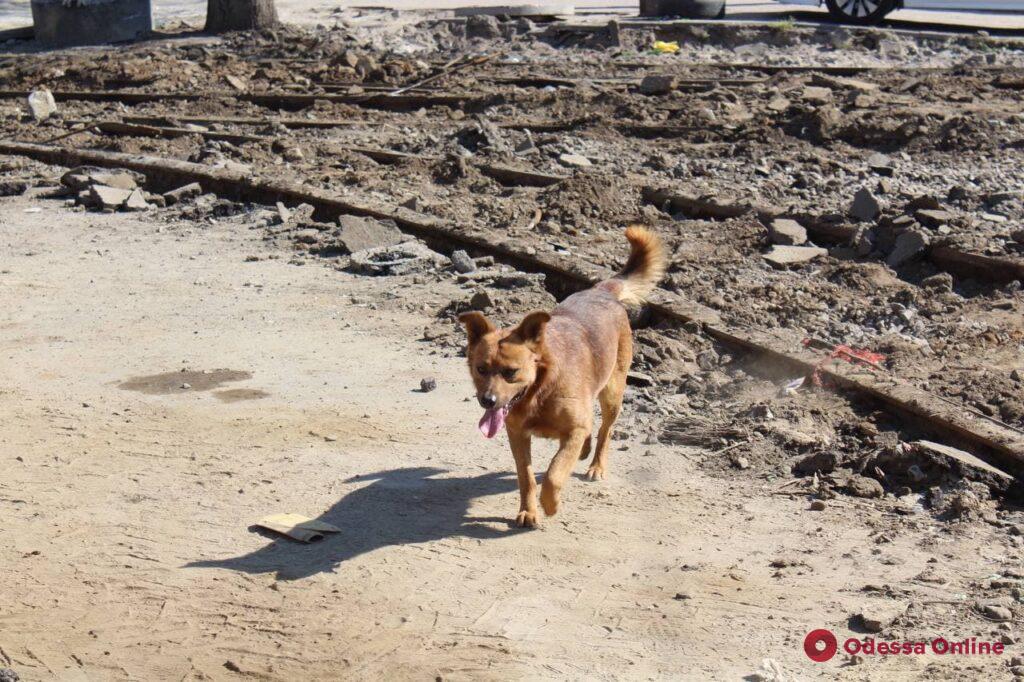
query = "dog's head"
x=503 y=363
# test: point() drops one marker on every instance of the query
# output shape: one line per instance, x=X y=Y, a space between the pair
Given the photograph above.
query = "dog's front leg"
x=520 y=442
x=568 y=454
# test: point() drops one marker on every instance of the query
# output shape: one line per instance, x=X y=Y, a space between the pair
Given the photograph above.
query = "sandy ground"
x=126 y=554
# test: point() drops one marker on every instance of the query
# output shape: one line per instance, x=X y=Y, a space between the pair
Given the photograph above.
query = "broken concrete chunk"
x=787 y=232
x=881 y=164
x=104 y=197
x=136 y=201
x=784 y=256
x=189 y=191
x=41 y=104
x=574 y=160
x=865 y=206
x=778 y=104
x=655 y=84
x=483 y=26
x=84 y=177
x=357 y=233
x=401 y=259
x=932 y=217
x=462 y=262
x=909 y=245
x=817 y=95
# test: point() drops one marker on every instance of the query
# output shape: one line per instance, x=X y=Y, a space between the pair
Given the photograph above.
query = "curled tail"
x=644 y=268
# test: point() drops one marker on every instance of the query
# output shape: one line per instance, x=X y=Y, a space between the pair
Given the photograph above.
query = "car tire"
x=860 y=11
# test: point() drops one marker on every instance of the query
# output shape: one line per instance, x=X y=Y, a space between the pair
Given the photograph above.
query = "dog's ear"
x=476 y=325
x=531 y=330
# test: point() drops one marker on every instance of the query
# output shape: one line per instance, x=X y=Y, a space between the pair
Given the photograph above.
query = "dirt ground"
x=172 y=376
x=125 y=549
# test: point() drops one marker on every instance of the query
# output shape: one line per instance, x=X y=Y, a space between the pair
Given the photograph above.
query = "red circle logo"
x=820 y=645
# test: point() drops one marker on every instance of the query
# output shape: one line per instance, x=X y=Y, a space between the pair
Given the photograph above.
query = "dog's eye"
x=481 y=369
x=509 y=374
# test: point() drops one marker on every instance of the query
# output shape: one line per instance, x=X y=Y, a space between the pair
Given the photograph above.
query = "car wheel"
x=860 y=11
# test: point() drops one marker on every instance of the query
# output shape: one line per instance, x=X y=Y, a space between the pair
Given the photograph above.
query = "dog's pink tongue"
x=492 y=422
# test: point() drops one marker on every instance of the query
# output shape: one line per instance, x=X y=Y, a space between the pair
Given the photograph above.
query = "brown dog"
x=541 y=377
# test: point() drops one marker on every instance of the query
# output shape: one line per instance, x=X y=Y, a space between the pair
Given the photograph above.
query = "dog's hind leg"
x=585 y=451
x=610 y=399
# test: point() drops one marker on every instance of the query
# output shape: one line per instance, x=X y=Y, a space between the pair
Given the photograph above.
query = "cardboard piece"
x=297 y=527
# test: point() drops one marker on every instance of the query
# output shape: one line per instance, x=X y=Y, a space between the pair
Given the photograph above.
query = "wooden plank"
x=284 y=100
x=992 y=441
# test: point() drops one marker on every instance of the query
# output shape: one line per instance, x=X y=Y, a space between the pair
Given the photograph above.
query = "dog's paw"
x=549 y=500
x=595 y=473
x=527 y=519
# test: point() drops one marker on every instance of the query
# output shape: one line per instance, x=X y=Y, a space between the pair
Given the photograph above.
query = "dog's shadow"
x=398 y=507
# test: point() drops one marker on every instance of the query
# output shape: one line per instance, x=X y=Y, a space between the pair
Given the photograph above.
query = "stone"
x=483 y=26
x=880 y=164
x=864 y=486
x=136 y=201
x=707 y=360
x=996 y=612
x=462 y=262
x=358 y=234
x=104 y=197
x=817 y=95
x=235 y=82
x=481 y=300
x=821 y=462
x=427 y=385
x=865 y=206
x=639 y=379
x=941 y=282
x=932 y=217
x=818 y=505
x=310 y=235
x=41 y=104
x=778 y=104
x=784 y=256
x=877 y=617
x=910 y=244
x=183 y=193
x=12 y=188
x=293 y=154
x=406 y=258
x=787 y=232
x=574 y=160
x=655 y=84
x=84 y=177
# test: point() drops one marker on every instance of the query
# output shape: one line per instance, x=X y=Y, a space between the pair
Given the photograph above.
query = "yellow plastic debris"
x=665 y=48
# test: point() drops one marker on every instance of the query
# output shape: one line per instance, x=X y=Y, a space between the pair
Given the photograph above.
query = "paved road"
x=16 y=12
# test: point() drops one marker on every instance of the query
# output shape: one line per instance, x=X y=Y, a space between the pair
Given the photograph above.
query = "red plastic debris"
x=843 y=352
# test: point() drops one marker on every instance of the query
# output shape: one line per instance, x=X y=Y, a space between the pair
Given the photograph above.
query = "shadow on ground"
x=398 y=507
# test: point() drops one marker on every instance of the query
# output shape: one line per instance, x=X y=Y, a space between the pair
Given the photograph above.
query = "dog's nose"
x=487 y=401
